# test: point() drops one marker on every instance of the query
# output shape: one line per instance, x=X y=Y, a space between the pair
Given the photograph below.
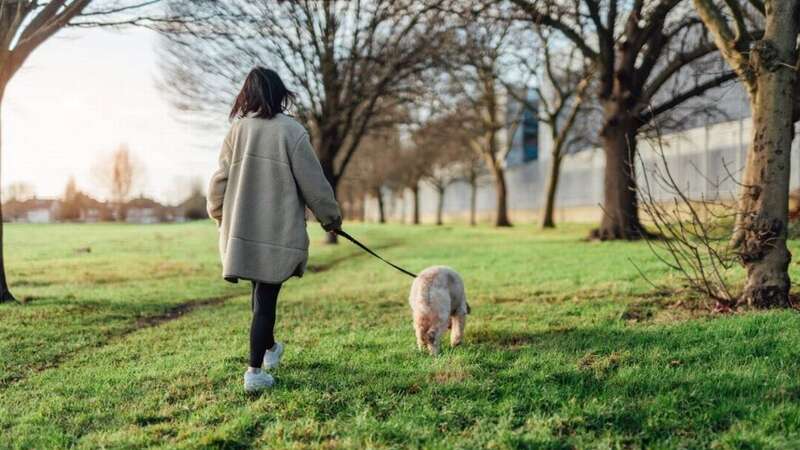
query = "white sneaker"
x=254 y=382
x=273 y=358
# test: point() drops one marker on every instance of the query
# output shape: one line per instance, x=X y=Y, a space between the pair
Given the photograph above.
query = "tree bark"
x=761 y=231
x=326 y=161
x=501 y=191
x=548 y=221
x=403 y=207
x=440 y=206
x=415 y=192
x=381 y=206
x=331 y=237
x=5 y=292
x=559 y=139
x=473 y=202
x=620 y=203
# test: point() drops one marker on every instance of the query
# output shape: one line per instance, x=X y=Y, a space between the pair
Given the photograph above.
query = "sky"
x=82 y=94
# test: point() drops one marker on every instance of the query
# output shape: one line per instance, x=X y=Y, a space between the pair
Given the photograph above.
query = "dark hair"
x=263 y=94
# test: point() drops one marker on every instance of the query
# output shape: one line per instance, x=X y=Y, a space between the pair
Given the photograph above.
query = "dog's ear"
x=469 y=310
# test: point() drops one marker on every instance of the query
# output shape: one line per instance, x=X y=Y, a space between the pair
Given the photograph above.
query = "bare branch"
x=684 y=96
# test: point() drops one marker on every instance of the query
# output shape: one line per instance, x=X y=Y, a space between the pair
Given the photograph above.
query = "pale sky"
x=83 y=93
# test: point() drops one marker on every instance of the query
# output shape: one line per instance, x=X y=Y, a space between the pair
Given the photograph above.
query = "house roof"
x=87 y=201
x=193 y=201
x=33 y=203
x=143 y=202
x=17 y=209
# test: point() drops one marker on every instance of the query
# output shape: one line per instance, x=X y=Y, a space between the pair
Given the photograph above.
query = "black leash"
x=344 y=234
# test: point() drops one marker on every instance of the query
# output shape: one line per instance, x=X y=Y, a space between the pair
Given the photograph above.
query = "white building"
x=33 y=210
x=146 y=211
x=700 y=156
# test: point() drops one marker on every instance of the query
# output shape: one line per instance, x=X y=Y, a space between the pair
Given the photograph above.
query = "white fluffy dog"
x=438 y=302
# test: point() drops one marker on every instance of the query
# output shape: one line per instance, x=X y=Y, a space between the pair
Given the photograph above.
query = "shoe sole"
x=254 y=389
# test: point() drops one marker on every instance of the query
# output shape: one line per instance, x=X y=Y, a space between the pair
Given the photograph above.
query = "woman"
x=268 y=174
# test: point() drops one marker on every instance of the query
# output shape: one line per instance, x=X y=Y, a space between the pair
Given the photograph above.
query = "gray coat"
x=268 y=174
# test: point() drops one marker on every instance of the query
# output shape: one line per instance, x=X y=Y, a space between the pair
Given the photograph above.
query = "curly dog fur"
x=438 y=302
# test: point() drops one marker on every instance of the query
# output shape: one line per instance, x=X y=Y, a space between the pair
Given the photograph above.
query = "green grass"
x=139 y=343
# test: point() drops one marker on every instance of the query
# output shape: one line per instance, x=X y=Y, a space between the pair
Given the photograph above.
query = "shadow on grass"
x=646 y=386
x=333 y=262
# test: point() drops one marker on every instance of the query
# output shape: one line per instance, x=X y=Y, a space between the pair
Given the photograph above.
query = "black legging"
x=264 y=301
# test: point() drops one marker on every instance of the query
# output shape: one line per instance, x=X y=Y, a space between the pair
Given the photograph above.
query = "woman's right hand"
x=334 y=226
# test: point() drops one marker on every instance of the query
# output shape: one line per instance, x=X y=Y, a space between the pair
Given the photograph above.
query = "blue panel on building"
x=530 y=136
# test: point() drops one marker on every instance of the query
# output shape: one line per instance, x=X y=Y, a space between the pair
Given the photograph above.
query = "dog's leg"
x=420 y=333
x=433 y=340
x=435 y=334
x=458 y=322
x=422 y=328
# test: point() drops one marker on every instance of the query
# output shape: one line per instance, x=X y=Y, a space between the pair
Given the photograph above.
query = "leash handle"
x=345 y=235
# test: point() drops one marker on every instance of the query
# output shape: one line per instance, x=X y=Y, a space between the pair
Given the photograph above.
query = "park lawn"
x=139 y=343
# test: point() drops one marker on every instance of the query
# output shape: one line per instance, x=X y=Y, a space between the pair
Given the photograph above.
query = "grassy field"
x=137 y=342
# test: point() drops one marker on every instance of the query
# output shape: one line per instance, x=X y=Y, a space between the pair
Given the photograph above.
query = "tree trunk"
x=122 y=211
x=348 y=206
x=473 y=202
x=761 y=230
x=550 y=195
x=492 y=155
x=440 y=206
x=620 y=204
x=403 y=207
x=415 y=192
x=326 y=156
x=501 y=220
x=5 y=292
x=381 y=206
x=331 y=237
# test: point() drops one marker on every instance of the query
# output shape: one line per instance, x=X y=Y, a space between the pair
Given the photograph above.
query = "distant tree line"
x=118 y=174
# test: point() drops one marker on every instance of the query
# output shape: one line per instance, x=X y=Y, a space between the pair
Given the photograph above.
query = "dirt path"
x=173 y=313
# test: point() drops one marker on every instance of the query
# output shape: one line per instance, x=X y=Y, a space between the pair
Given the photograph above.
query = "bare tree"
x=651 y=56
x=695 y=231
x=183 y=187
x=119 y=173
x=560 y=87
x=347 y=61
x=445 y=146
x=19 y=191
x=760 y=42
x=472 y=169
x=413 y=166
x=441 y=177
x=561 y=120
x=351 y=198
x=192 y=199
x=27 y=24
x=373 y=165
x=475 y=77
x=70 y=208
